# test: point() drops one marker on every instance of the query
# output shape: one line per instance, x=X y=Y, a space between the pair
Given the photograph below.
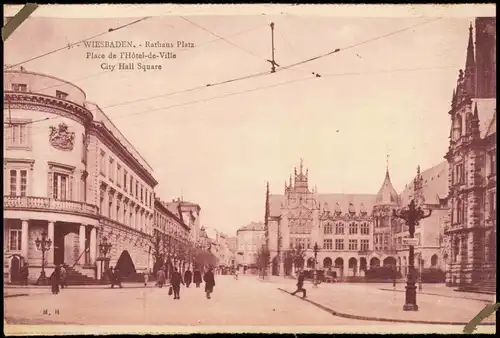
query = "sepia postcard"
x=249 y=168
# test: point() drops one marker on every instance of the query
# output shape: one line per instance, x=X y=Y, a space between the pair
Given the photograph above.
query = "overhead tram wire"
x=260 y=73
x=70 y=45
x=272 y=86
x=357 y=44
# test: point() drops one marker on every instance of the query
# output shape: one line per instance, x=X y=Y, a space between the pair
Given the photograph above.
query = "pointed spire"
x=476 y=115
x=470 y=50
x=301 y=165
x=387 y=164
x=454 y=98
x=290 y=181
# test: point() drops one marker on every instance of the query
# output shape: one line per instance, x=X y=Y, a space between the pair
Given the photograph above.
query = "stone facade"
x=72 y=175
x=471 y=225
x=353 y=231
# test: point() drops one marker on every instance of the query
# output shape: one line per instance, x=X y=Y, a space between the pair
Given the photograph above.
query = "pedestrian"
x=25 y=272
x=300 y=285
x=209 y=282
x=160 y=277
x=188 y=276
x=197 y=277
x=146 y=278
x=236 y=274
x=55 y=279
x=63 y=277
x=118 y=277
x=176 y=281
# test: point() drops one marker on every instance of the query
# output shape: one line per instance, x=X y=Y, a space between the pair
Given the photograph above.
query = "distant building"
x=353 y=231
x=250 y=239
x=470 y=232
x=189 y=214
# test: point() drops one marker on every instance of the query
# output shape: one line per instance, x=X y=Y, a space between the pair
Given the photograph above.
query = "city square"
x=356 y=195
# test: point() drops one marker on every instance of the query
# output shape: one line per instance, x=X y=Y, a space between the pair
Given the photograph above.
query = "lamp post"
x=411 y=215
x=104 y=249
x=316 y=249
x=43 y=245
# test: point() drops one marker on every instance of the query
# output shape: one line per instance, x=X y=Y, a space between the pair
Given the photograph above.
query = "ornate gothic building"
x=470 y=230
x=353 y=231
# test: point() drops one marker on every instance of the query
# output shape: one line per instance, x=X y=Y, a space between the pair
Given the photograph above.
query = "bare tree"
x=262 y=261
x=157 y=250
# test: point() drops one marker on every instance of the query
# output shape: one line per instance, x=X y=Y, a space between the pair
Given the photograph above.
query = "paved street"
x=235 y=302
x=244 y=302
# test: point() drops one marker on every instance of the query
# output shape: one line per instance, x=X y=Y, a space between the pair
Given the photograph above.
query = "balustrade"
x=49 y=204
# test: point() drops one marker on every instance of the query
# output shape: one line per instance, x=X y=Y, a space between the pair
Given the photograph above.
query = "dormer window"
x=61 y=95
x=20 y=87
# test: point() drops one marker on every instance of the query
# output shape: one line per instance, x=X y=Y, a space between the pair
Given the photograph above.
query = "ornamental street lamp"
x=104 y=249
x=411 y=215
x=43 y=245
x=316 y=249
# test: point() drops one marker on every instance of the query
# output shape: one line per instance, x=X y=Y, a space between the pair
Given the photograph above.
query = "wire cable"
x=70 y=45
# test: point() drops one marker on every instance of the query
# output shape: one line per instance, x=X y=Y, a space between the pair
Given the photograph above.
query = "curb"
x=16 y=295
x=437 y=294
x=379 y=319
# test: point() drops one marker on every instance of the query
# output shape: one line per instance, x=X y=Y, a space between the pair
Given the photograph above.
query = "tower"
x=386 y=200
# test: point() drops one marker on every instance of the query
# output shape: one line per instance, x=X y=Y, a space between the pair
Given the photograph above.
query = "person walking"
x=25 y=272
x=160 y=277
x=300 y=285
x=236 y=274
x=197 y=277
x=55 y=278
x=175 y=282
x=209 y=282
x=188 y=276
x=118 y=277
x=146 y=279
x=63 y=277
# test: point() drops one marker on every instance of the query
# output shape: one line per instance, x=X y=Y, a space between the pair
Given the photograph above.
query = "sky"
x=387 y=96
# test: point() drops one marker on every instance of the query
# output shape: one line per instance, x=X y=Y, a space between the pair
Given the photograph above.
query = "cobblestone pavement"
x=235 y=302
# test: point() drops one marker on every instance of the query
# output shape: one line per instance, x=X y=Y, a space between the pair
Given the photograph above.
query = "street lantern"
x=43 y=245
x=104 y=249
x=411 y=215
x=316 y=249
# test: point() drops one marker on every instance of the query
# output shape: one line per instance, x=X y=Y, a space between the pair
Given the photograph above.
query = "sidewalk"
x=441 y=290
x=370 y=303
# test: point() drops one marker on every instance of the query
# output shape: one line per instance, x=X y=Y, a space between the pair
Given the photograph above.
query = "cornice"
x=118 y=148
x=49 y=104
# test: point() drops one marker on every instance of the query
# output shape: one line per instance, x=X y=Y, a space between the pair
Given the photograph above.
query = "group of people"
x=58 y=279
x=176 y=279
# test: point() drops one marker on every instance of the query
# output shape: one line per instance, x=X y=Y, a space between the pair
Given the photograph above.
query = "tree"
x=157 y=250
x=262 y=262
x=294 y=257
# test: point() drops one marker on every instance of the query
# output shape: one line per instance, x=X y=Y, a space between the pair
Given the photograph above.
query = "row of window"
x=364 y=244
x=125 y=180
x=22 y=87
x=166 y=226
x=114 y=209
x=353 y=229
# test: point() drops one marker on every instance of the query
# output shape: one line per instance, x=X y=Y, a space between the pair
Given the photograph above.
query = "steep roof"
x=435 y=185
x=387 y=194
x=254 y=226
x=486 y=109
x=331 y=201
